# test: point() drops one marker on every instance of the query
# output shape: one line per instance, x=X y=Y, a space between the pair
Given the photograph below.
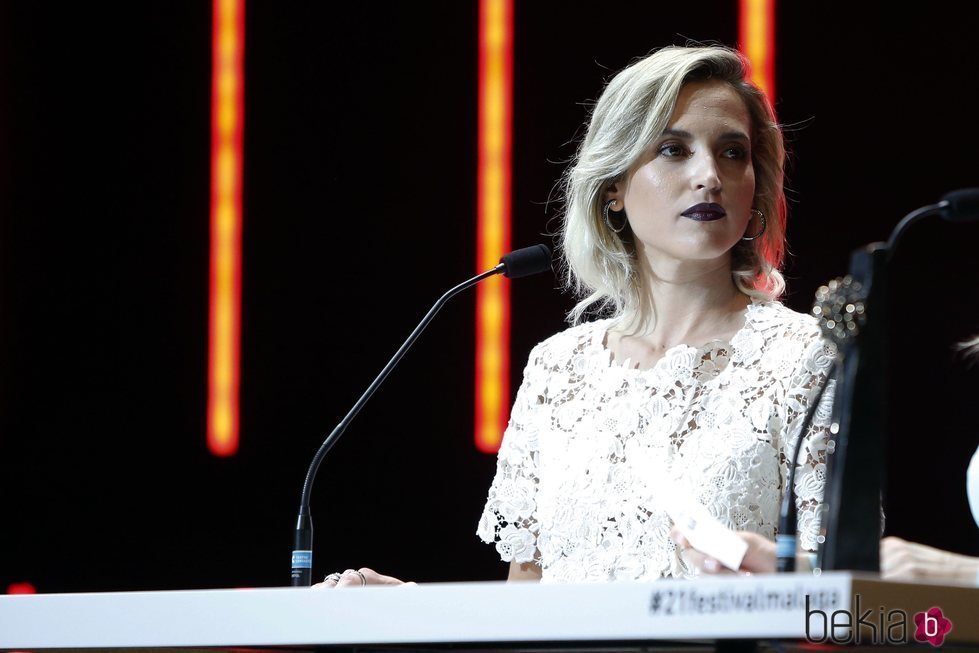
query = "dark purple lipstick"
x=704 y=212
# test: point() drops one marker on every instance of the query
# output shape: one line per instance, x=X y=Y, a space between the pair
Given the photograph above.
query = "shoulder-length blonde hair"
x=600 y=266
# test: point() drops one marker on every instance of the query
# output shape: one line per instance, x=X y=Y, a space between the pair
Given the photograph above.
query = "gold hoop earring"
x=608 y=221
x=764 y=224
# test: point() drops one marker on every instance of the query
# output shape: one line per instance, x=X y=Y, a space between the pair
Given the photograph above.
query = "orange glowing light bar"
x=493 y=230
x=224 y=329
x=757 y=39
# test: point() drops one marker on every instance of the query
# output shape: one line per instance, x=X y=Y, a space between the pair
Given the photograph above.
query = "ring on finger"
x=363 y=579
x=335 y=577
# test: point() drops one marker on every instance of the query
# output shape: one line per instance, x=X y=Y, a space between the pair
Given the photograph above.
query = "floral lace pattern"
x=592 y=446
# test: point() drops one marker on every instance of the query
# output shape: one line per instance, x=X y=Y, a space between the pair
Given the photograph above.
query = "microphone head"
x=961 y=205
x=527 y=261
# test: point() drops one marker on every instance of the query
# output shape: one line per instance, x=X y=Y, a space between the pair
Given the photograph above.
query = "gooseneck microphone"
x=520 y=263
x=852 y=312
x=957 y=206
x=785 y=539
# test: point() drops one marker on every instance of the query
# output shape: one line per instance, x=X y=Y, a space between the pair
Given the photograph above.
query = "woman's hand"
x=903 y=560
x=357 y=578
x=758 y=559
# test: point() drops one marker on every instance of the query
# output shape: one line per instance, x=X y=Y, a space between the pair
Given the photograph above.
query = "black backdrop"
x=359 y=211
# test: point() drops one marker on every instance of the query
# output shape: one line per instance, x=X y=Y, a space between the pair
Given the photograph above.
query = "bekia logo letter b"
x=931 y=626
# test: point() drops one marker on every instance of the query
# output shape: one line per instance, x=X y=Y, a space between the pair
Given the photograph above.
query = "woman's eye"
x=671 y=149
x=737 y=153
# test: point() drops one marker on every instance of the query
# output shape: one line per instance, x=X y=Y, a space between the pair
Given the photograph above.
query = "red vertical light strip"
x=757 y=38
x=224 y=328
x=493 y=229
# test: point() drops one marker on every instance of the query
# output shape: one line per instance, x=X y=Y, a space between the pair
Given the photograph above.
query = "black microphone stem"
x=785 y=540
x=302 y=554
x=910 y=219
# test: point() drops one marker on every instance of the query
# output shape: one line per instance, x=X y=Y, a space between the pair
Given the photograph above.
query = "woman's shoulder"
x=776 y=320
x=786 y=339
x=566 y=344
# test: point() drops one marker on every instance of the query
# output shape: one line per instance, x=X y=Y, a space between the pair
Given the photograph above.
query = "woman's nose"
x=705 y=174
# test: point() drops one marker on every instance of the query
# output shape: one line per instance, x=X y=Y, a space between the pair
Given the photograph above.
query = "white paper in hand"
x=706 y=534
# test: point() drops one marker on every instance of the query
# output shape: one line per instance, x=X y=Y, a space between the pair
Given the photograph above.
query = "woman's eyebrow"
x=677 y=133
x=735 y=136
x=726 y=136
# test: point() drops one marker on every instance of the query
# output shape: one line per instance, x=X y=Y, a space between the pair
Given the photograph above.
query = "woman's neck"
x=687 y=304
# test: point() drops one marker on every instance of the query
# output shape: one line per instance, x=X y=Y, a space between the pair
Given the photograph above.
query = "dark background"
x=359 y=211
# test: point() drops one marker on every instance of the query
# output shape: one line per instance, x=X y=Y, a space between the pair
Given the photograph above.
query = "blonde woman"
x=694 y=379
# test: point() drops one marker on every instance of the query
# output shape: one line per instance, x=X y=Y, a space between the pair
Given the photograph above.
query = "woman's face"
x=690 y=196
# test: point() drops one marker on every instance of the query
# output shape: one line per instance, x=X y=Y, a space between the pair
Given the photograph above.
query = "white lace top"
x=592 y=443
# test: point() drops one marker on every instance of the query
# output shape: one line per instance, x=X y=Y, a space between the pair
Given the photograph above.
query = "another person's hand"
x=357 y=578
x=759 y=558
x=903 y=560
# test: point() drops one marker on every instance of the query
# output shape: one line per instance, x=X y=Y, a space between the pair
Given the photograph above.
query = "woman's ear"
x=616 y=192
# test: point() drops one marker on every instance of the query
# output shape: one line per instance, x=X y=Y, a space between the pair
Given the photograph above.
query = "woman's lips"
x=705 y=212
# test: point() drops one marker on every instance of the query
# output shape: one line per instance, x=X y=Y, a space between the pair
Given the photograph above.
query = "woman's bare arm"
x=523 y=571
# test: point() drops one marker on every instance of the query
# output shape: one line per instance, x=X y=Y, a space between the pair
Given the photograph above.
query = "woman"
x=696 y=382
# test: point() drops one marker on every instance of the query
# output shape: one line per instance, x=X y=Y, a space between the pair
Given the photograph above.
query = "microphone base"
x=302 y=551
x=302 y=577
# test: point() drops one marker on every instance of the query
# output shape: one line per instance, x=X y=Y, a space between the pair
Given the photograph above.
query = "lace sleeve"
x=510 y=516
x=810 y=474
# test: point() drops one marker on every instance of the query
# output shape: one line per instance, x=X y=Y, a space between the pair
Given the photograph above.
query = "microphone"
x=520 y=263
x=526 y=262
x=853 y=313
x=785 y=540
x=956 y=206
x=841 y=313
x=960 y=205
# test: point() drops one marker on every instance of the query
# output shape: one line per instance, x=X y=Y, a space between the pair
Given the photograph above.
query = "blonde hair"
x=600 y=266
x=970 y=347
